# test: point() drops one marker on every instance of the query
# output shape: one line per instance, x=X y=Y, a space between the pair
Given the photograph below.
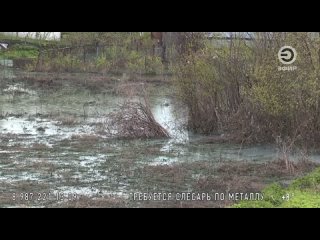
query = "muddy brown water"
x=53 y=149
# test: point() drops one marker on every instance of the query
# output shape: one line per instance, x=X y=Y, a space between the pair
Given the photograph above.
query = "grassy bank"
x=20 y=51
x=301 y=193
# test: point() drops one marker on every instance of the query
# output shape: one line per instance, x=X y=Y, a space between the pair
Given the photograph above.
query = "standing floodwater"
x=53 y=140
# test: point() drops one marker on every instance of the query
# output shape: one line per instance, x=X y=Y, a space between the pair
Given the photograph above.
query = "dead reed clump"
x=134 y=120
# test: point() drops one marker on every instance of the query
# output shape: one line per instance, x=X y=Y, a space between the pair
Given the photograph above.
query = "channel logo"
x=287 y=55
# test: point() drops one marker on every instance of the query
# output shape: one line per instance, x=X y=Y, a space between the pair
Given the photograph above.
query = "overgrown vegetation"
x=237 y=87
x=105 y=52
x=302 y=193
x=101 y=52
x=20 y=51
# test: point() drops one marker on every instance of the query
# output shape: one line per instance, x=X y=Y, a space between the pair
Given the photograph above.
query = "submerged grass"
x=124 y=168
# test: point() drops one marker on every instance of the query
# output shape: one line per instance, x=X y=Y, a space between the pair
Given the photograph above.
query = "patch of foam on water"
x=93 y=172
x=22 y=126
x=10 y=152
x=18 y=88
x=91 y=160
x=40 y=130
x=162 y=161
x=24 y=176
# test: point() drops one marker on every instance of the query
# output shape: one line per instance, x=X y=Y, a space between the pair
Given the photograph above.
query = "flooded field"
x=54 y=151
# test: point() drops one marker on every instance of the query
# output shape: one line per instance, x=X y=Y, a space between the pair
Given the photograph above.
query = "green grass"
x=302 y=193
x=20 y=51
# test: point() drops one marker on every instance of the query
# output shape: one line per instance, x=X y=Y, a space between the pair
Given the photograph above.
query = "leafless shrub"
x=285 y=150
x=134 y=120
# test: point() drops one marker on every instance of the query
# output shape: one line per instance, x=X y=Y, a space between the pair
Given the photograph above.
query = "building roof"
x=3 y=45
x=231 y=35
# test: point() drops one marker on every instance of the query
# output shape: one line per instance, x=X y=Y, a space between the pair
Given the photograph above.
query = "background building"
x=35 y=35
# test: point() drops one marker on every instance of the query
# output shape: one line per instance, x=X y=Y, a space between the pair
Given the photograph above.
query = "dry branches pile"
x=134 y=120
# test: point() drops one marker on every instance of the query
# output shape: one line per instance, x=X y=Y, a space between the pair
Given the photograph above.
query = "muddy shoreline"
x=222 y=179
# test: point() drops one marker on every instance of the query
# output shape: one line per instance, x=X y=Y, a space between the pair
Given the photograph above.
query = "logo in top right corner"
x=287 y=55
